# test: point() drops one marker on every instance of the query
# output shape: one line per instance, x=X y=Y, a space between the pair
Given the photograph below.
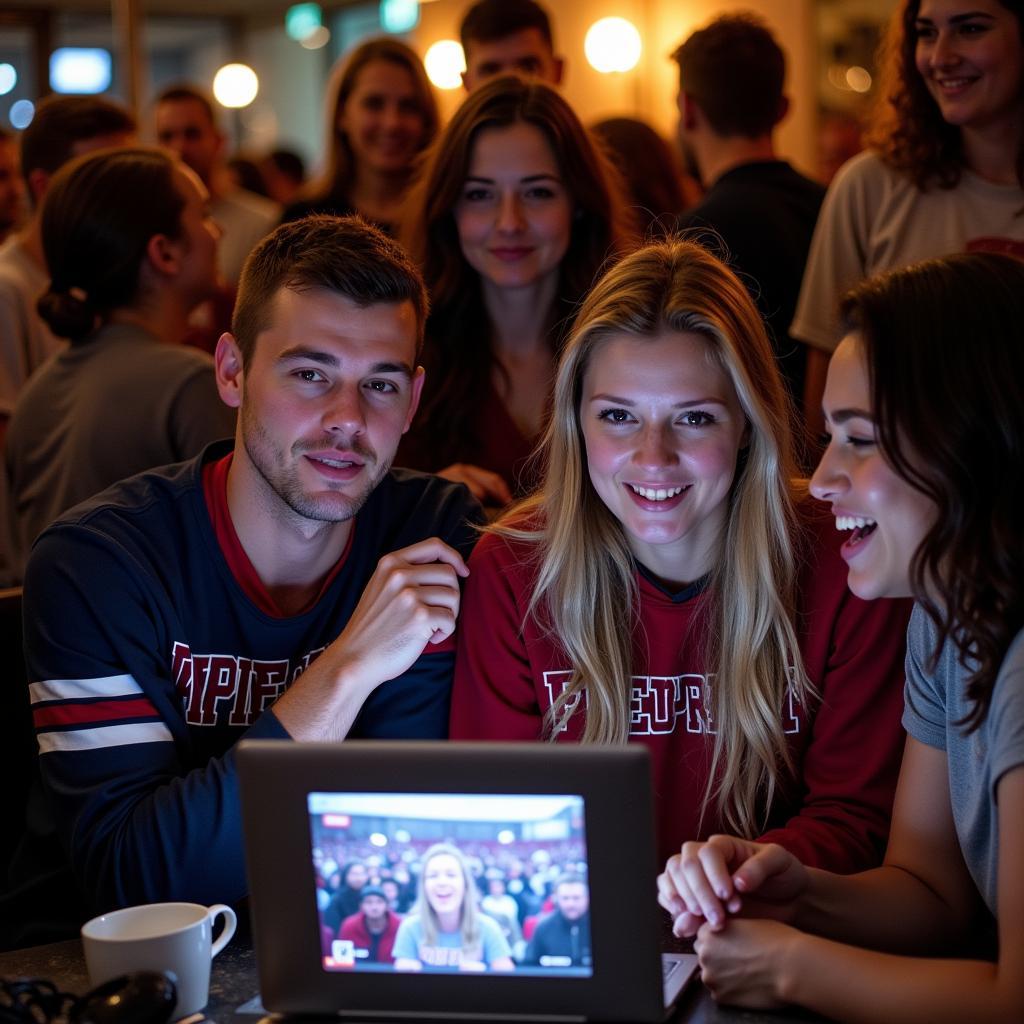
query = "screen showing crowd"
x=451 y=882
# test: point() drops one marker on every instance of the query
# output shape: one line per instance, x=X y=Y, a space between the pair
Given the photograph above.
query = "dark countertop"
x=233 y=982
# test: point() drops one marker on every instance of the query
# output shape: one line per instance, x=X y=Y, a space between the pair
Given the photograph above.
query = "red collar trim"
x=215 y=492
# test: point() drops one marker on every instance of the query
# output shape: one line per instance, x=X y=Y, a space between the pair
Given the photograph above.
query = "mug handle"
x=230 y=923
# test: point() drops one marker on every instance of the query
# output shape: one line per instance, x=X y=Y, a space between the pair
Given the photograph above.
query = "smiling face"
x=971 y=57
x=514 y=218
x=663 y=428
x=444 y=884
x=328 y=391
x=381 y=118
x=886 y=517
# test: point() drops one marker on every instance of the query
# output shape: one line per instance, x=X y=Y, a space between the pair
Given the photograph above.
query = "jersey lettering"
x=215 y=688
x=659 y=702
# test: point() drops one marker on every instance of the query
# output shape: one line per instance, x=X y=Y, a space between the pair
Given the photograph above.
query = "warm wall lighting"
x=235 y=85
x=858 y=79
x=445 y=63
x=8 y=78
x=77 y=69
x=612 y=44
x=22 y=113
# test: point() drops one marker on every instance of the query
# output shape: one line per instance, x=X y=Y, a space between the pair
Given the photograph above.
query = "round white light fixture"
x=378 y=839
x=8 y=78
x=80 y=69
x=445 y=63
x=235 y=85
x=22 y=113
x=316 y=39
x=612 y=44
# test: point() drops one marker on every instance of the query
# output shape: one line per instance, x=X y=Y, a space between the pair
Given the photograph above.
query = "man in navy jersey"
x=284 y=584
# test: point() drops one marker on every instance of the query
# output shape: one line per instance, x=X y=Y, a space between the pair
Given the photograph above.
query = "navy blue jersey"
x=147 y=663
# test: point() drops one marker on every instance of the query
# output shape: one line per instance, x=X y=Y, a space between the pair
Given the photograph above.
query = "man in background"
x=731 y=99
x=372 y=929
x=508 y=37
x=63 y=127
x=562 y=939
x=186 y=124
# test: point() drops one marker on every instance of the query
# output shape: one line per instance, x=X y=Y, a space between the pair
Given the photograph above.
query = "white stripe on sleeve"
x=104 y=736
x=71 y=689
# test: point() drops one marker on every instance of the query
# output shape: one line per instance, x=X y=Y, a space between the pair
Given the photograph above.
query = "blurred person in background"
x=508 y=37
x=658 y=187
x=514 y=213
x=186 y=123
x=132 y=248
x=12 y=186
x=943 y=171
x=63 y=127
x=381 y=114
x=284 y=173
x=731 y=99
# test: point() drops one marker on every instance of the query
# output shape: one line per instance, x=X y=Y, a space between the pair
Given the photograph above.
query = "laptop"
x=567 y=828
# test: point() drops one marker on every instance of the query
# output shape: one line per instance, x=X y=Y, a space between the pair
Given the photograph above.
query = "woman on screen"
x=671 y=584
x=923 y=401
x=445 y=928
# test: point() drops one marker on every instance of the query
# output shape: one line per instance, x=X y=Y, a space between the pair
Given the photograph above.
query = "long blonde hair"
x=586 y=574
x=469 y=915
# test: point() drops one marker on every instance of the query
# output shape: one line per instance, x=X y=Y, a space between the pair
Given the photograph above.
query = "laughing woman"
x=669 y=586
x=926 y=411
x=445 y=928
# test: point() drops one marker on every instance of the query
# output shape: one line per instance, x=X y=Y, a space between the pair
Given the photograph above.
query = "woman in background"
x=670 y=585
x=514 y=213
x=445 y=928
x=944 y=168
x=926 y=466
x=381 y=114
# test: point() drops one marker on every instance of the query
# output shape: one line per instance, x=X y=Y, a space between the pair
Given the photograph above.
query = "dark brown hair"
x=460 y=348
x=907 y=128
x=946 y=368
x=61 y=121
x=185 y=93
x=735 y=70
x=98 y=216
x=489 y=20
x=344 y=255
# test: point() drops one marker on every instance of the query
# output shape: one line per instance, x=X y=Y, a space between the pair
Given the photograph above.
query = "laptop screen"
x=451 y=883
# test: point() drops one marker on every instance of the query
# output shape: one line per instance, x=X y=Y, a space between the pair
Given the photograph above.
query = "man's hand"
x=411 y=600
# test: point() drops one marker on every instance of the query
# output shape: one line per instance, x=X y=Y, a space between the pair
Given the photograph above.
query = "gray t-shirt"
x=935 y=702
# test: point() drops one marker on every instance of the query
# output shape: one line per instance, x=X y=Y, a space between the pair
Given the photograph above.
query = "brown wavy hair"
x=459 y=347
x=339 y=172
x=946 y=368
x=907 y=128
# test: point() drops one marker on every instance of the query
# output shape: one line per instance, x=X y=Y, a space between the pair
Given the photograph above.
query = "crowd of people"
x=455 y=906
x=483 y=446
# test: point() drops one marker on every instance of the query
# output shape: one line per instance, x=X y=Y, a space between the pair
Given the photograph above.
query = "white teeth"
x=335 y=463
x=853 y=522
x=656 y=494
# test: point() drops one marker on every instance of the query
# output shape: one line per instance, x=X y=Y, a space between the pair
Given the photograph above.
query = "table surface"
x=233 y=982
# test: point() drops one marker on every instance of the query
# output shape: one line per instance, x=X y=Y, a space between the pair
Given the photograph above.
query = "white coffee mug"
x=175 y=937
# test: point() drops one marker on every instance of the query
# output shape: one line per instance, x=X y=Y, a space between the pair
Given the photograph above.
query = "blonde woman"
x=445 y=929
x=670 y=585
